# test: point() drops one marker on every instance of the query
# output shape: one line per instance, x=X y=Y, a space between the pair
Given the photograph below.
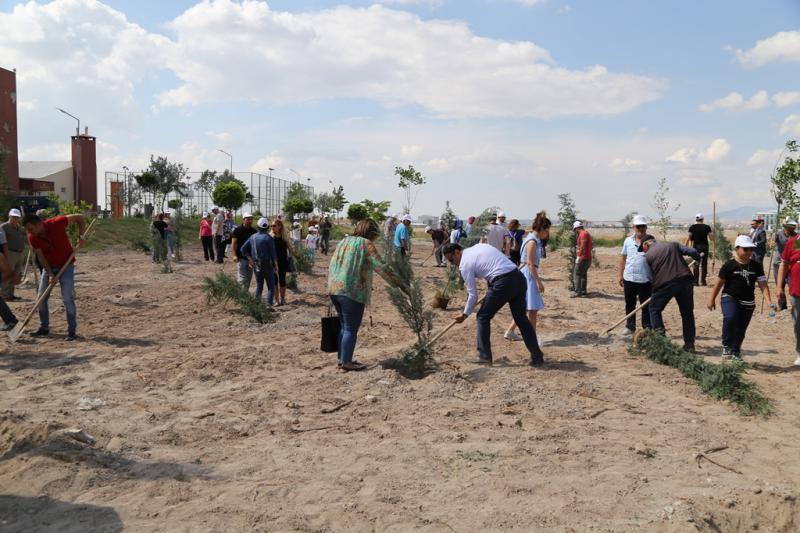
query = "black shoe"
x=41 y=332
x=537 y=361
x=8 y=326
x=482 y=361
x=689 y=348
x=71 y=337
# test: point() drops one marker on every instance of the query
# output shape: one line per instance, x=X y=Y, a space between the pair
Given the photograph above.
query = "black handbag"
x=331 y=326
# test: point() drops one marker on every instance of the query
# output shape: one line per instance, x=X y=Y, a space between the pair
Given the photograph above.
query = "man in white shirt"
x=217 y=228
x=497 y=233
x=506 y=285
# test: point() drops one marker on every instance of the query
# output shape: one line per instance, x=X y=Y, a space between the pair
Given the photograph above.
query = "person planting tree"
x=789 y=272
x=507 y=285
x=50 y=241
x=781 y=238
x=402 y=239
x=583 y=259
x=737 y=280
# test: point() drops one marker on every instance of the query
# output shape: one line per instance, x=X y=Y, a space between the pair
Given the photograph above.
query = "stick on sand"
x=15 y=333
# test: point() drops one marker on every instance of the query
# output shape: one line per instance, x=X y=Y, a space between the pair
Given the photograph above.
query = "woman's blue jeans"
x=350 y=314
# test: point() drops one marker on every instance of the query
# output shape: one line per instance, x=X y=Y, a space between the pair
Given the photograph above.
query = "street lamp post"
x=127 y=192
x=77 y=170
x=296 y=173
x=271 y=193
x=229 y=155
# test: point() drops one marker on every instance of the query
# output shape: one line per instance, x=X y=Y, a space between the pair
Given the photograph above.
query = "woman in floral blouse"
x=350 y=285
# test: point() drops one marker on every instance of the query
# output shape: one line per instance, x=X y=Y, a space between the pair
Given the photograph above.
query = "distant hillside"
x=739 y=214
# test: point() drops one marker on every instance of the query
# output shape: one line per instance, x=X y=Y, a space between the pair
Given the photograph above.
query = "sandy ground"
x=214 y=423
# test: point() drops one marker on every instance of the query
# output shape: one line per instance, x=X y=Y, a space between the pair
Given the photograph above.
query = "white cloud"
x=791 y=126
x=410 y=150
x=272 y=160
x=783 y=46
x=736 y=102
x=528 y=2
x=624 y=165
x=46 y=152
x=718 y=150
x=390 y=56
x=222 y=138
x=566 y=9
x=786 y=99
x=762 y=158
x=429 y=3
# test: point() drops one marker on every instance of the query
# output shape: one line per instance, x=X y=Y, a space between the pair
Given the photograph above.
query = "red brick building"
x=8 y=126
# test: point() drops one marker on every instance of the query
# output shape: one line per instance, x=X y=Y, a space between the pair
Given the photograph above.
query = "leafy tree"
x=325 y=203
x=169 y=177
x=626 y=223
x=339 y=201
x=130 y=194
x=565 y=237
x=229 y=195
x=784 y=182
x=663 y=207
x=175 y=203
x=357 y=212
x=298 y=201
x=376 y=210
x=411 y=181
x=723 y=250
x=148 y=183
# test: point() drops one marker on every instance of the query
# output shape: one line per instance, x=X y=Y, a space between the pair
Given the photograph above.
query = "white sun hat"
x=262 y=223
x=577 y=224
x=15 y=213
x=247 y=214
x=744 y=241
x=639 y=220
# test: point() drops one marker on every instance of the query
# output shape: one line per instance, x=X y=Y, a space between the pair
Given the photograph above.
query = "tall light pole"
x=80 y=163
x=271 y=191
x=229 y=155
x=296 y=173
x=127 y=192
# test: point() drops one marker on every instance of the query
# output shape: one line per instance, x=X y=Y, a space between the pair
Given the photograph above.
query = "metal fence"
x=267 y=195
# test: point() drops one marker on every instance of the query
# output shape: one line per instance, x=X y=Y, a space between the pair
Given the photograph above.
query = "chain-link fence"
x=266 y=194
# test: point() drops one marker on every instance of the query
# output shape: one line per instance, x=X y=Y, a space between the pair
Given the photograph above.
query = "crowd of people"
x=650 y=273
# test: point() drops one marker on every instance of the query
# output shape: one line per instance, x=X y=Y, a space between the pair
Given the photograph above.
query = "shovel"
x=632 y=313
x=15 y=333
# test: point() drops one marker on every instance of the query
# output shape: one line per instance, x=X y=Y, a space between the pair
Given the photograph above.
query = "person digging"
x=50 y=241
x=671 y=279
x=507 y=285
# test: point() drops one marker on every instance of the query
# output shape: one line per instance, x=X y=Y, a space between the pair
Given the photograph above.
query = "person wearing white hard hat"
x=261 y=256
x=402 y=238
x=634 y=276
x=16 y=240
x=583 y=260
x=206 y=236
x=699 y=236
x=780 y=240
x=241 y=234
x=737 y=280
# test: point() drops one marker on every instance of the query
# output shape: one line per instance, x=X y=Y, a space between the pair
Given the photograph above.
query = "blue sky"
x=498 y=102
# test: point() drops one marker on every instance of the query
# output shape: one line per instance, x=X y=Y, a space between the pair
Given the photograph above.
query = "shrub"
x=356 y=213
x=225 y=289
x=723 y=381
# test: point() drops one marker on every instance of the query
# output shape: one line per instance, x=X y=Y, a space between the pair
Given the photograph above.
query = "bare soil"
x=214 y=423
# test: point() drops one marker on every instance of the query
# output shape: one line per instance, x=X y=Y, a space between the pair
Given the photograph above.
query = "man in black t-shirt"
x=159 y=238
x=699 y=234
x=240 y=236
x=325 y=235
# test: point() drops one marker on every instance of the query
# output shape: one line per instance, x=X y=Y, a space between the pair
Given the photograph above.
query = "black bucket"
x=331 y=326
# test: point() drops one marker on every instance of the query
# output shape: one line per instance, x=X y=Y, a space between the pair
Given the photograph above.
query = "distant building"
x=38 y=178
x=73 y=181
x=8 y=125
x=770 y=219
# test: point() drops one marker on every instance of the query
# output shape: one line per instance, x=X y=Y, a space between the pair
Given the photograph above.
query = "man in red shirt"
x=790 y=269
x=50 y=241
x=583 y=259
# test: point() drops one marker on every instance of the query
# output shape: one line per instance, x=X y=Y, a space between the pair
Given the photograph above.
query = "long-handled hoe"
x=15 y=333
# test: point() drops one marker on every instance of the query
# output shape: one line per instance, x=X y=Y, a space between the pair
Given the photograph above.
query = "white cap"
x=407 y=218
x=14 y=213
x=698 y=216
x=262 y=223
x=790 y=222
x=247 y=215
x=577 y=224
x=205 y=214
x=639 y=220
x=744 y=241
x=500 y=214
x=428 y=228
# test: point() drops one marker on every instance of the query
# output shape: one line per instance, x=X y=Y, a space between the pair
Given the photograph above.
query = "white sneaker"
x=512 y=336
x=627 y=332
x=797 y=361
